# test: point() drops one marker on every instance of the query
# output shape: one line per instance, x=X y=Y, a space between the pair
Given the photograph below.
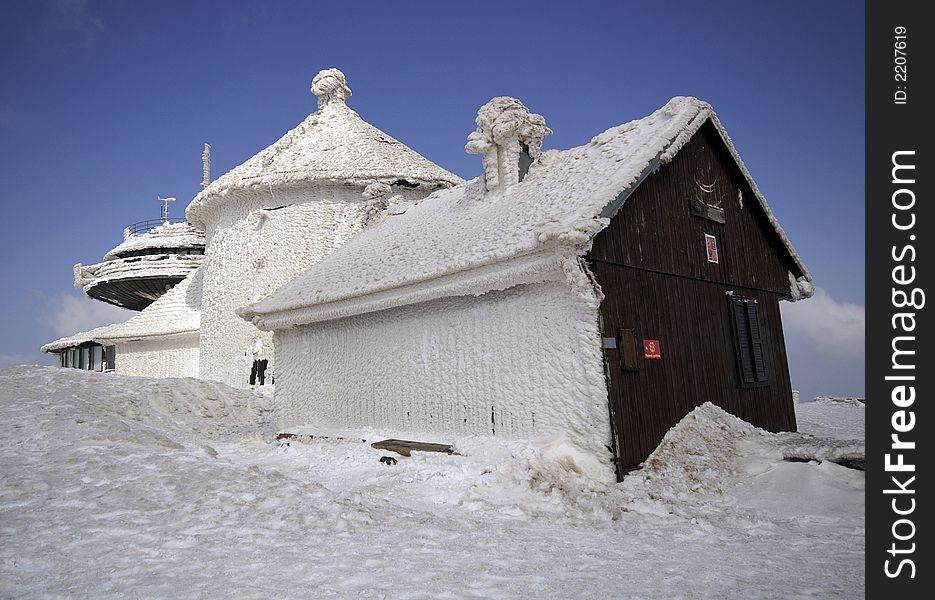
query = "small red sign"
x=652 y=349
x=711 y=243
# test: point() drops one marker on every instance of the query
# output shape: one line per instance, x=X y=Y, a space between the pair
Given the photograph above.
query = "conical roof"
x=332 y=145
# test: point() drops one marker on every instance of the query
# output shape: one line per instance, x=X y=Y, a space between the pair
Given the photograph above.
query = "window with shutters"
x=750 y=342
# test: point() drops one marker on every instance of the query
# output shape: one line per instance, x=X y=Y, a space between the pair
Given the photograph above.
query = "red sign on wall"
x=652 y=349
x=711 y=243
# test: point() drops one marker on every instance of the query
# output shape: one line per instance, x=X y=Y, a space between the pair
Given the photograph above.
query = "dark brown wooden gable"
x=656 y=229
x=718 y=325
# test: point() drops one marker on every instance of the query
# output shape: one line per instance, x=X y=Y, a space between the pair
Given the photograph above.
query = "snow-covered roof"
x=176 y=312
x=332 y=145
x=73 y=340
x=167 y=235
x=565 y=199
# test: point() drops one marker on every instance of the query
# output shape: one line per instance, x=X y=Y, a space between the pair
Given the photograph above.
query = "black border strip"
x=898 y=127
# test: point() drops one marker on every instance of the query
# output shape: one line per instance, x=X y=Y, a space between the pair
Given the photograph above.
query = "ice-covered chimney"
x=330 y=86
x=509 y=137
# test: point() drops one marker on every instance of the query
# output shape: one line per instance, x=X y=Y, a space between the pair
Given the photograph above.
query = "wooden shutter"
x=749 y=342
x=742 y=342
x=756 y=343
x=629 y=349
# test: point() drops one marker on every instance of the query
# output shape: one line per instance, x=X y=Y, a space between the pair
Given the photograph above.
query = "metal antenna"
x=206 y=166
x=165 y=208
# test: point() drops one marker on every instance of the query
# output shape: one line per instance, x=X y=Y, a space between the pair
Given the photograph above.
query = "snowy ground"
x=128 y=487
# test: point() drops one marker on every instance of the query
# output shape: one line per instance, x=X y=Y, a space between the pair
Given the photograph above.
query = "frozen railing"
x=147 y=226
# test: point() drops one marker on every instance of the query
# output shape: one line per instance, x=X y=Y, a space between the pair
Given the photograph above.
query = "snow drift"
x=117 y=486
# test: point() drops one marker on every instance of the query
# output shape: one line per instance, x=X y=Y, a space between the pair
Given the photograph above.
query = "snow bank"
x=115 y=486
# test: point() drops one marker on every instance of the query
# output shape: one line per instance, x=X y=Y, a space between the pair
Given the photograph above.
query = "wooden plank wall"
x=656 y=231
x=691 y=319
x=652 y=265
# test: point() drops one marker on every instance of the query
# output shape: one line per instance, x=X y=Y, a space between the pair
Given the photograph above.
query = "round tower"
x=271 y=218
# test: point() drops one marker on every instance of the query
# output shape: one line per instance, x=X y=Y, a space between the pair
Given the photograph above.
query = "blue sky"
x=104 y=105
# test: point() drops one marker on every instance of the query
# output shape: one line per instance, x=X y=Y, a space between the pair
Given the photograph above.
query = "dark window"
x=750 y=333
x=258 y=372
x=525 y=160
x=110 y=354
x=74 y=358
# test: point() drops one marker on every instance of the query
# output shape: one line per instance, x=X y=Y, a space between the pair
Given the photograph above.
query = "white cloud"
x=829 y=326
x=825 y=345
x=68 y=314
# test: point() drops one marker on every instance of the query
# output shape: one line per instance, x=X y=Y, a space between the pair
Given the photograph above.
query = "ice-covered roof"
x=565 y=199
x=176 y=312
x=332 y=145
x=167 y=235
x=73 y=340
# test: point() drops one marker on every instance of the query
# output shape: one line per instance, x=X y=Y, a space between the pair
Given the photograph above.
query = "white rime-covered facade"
x=271 y=218
x=377 y=290
x=262 y=224
x=474 y=311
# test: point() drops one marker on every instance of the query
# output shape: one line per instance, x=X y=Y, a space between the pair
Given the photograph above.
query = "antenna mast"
x=165 y=208
x=206 y=166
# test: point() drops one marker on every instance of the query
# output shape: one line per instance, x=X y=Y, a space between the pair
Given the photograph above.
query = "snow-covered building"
x=263 y=223
x=288 y=207
x=599 y=293
x=152 y=259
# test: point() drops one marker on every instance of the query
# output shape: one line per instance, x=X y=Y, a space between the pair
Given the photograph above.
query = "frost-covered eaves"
x=535 y=268
x=137 y=267
x=331 y=146
x=566 y=198
x=73 y=340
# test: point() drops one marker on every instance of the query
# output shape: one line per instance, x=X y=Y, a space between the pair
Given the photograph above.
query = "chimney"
x=510 y=138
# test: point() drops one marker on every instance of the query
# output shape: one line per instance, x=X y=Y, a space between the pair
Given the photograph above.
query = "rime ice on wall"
x=253 y=251
x=288 y=207
x=518 y=363
x=159 y=357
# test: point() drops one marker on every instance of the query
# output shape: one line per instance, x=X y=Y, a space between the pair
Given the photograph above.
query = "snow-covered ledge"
x=551 y=264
